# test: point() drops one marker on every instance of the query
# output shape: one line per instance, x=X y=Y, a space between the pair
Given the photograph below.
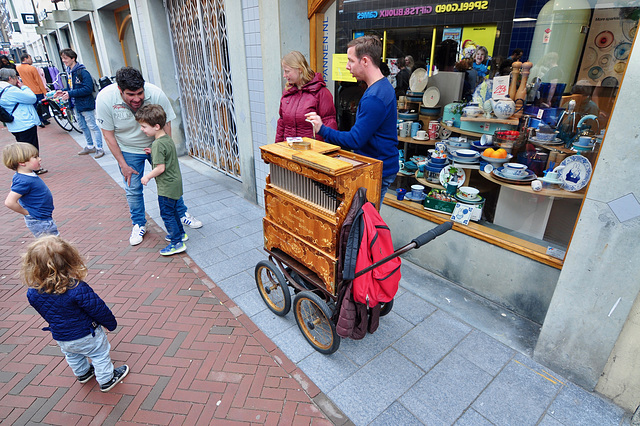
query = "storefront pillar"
x=599 y=280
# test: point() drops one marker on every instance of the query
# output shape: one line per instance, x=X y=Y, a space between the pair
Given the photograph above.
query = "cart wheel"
x=273 y=288
x=314 y=321
x=386 y=308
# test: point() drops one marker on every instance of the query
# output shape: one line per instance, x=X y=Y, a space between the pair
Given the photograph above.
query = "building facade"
x=219 y=63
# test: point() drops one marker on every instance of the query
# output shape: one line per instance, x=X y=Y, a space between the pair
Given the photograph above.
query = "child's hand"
x=147 y=151
x=145 y=180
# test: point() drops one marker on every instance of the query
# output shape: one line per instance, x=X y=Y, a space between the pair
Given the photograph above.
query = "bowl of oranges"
x=496 y=157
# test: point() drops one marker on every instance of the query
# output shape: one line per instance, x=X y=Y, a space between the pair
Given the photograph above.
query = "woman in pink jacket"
x=304 y=92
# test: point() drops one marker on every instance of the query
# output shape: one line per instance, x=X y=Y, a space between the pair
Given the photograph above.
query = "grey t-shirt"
x=113 y=114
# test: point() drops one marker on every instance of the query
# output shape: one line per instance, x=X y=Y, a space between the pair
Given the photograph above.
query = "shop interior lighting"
x=524 y=19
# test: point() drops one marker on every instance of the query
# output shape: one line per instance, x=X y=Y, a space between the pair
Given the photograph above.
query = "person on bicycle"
x=81 y=93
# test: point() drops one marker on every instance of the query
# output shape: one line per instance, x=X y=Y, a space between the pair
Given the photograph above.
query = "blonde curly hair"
x=52 y=265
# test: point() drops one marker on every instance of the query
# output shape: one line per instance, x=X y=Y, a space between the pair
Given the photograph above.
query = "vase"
x=503 y=108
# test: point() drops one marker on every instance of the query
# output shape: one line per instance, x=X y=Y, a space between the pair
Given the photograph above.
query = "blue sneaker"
x=185 y=237
x=173 y=249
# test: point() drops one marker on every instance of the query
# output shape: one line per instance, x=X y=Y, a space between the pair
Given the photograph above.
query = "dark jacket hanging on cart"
x=367 y=241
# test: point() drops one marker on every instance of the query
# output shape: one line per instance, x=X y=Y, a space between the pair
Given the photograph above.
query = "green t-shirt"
x=169 y=183
x=113 y=114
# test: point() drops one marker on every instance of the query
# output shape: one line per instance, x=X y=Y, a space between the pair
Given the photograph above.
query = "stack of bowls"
x=433 y=167
x=414 y=96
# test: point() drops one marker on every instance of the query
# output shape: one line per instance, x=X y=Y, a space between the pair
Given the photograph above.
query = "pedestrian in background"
x=80 y=91
x=19 y=100
x=305 y=91
x=116 y=105
x=29 y=195
x=30 y=76
x=54 y=272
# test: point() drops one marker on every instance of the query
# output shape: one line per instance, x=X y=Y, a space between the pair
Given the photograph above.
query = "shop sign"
x=340 y=72
x=465 y=6
x=325 y=49
x=29 y=18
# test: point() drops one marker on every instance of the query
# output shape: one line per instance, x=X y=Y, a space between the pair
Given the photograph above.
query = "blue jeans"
x=39 y=227
x=386 y=181
x=95 y=347
x=134 y=191
x=89 y=127
x=171 y=218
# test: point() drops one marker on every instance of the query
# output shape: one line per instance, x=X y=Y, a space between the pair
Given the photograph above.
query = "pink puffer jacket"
x=295 y=103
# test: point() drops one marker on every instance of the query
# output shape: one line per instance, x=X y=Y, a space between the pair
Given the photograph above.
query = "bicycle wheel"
x=314 y=321
x=273 y=288
x=71 y=116
x=60 y=119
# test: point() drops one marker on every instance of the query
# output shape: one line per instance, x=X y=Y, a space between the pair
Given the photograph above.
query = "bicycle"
x=60 y=110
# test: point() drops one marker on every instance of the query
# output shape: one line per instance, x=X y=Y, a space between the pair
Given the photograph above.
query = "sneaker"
x=136 y=235
x=87 y=376
x=118 y=374
x=86 y=150
x=99 y=153
x=185 y=237
x=191 y=221
x=40 y=171
x=173 y=249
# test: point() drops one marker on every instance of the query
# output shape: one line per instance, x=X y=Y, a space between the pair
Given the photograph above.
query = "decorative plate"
x=418 y=80
x=528 y=178
x=477 y=200
x=576 y=173
x=445 y=175
x=431 y=97
x=417 y=200
x=556 y=141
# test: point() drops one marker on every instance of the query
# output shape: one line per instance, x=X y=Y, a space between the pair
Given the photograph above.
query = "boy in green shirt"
x=166 y=171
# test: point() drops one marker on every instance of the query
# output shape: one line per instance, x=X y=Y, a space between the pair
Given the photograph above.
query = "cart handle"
x=432 y=234
x=415 y=243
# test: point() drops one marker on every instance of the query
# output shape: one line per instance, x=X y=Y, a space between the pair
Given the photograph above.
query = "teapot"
x=503 y=108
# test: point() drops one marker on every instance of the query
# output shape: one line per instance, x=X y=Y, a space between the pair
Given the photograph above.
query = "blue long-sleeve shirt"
x=374 y=133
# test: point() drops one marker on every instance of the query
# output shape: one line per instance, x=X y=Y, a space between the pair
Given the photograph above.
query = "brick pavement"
x=195 y=357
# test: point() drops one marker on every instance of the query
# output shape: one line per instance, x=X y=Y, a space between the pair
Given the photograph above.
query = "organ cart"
x=308 y=193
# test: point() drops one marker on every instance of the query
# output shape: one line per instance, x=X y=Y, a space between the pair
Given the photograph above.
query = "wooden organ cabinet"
x=309 y=191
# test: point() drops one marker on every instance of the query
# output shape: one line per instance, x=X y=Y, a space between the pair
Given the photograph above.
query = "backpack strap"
x=15 y=106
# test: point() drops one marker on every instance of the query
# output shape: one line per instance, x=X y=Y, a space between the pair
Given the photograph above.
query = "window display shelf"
x=512 y=122
x=462 y=132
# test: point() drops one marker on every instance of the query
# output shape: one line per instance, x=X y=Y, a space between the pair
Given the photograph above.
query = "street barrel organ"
x=308 y=193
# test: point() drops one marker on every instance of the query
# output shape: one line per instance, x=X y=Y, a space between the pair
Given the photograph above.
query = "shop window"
x=562 y=93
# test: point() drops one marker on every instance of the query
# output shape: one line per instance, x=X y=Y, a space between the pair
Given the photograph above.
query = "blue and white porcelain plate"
x=575 y=173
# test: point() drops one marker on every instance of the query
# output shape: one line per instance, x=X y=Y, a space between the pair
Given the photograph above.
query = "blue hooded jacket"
x=82 y=92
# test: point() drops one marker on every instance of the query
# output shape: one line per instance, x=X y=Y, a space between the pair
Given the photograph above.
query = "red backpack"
x=381 y=283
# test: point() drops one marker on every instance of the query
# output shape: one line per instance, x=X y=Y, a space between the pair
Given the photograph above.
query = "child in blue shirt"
x=54 y=272
x=479 y=63
x=29 y=195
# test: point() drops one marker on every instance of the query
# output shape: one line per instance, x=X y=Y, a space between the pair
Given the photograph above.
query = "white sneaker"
x=191 y=221
x=136 y=235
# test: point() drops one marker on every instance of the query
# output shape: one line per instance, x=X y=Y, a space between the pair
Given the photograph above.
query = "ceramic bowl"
x=468 y=192
x=466 y=153
x=472 y=111
x=457 y=143
x=497 y=162
x=438 y=160
x=514 y=169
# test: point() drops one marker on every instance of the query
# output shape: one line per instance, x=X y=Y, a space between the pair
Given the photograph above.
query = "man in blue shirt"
x=374 y=133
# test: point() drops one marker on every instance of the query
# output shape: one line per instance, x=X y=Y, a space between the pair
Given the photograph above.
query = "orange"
x=500 y=153
x=488 y=152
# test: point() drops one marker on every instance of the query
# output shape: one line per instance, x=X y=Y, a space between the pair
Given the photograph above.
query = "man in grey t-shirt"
x=116 y=106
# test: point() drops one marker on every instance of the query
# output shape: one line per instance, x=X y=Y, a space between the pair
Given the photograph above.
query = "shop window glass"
x=573 y=57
